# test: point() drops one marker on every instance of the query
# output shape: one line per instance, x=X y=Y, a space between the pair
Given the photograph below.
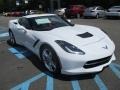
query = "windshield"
x=46 y=23
x=91 y=8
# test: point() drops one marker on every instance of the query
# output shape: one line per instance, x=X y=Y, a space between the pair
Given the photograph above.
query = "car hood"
x=80 y=35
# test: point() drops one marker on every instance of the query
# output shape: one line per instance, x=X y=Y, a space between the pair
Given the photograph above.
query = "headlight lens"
x=69 y=47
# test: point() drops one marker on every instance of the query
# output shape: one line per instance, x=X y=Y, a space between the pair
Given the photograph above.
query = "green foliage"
x=1 y=2
x=1 y=5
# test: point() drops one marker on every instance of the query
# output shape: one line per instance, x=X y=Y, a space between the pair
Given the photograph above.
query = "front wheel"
x=78 y=15
x=97 y=16
x=50 y=59
x=12 y=38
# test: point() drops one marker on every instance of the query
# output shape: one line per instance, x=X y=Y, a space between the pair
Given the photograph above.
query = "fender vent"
x=85 y=35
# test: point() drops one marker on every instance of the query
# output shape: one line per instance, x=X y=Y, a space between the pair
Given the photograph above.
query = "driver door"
x=25 y=34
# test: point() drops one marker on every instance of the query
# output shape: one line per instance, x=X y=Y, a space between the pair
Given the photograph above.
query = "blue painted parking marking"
x=49 y=85
x=100 y=83
x=75 y=85
x=4 y=34
x=19 y=52
x=25 y=85
x=116 y=69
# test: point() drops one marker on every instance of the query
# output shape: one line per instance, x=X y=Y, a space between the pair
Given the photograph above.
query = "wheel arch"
x=46 y=44
x=10 y=29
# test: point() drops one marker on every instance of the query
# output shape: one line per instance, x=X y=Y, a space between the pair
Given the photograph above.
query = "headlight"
x=69 y=47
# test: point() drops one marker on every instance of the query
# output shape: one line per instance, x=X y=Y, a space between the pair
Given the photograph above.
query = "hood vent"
x=85 y=35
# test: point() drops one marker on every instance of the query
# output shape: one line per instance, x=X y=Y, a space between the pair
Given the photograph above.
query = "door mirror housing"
x=15 y=23
x=21 y=28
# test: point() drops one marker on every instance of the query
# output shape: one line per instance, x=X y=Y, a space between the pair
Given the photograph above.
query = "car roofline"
x=37 y=15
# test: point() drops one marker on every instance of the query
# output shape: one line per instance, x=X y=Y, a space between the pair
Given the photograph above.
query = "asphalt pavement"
x=20 y=69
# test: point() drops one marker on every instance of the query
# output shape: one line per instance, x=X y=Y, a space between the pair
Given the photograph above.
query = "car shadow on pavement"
x=39 y=65
x=112 y=18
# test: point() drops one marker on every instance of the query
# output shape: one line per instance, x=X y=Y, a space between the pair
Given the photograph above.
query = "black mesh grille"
x=94 y=63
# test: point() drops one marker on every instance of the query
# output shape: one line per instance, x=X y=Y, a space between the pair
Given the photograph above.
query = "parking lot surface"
x=20 y=69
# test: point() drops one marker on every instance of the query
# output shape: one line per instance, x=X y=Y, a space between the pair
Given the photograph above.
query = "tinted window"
x=100 y=8
x=91 y=8
x=20 y=21
x=24 y=22
x=45 y=23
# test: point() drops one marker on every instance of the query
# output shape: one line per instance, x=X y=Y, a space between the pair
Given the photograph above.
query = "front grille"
x=94 y=63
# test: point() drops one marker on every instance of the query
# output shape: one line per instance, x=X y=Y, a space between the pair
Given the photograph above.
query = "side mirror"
x=69 y=20
x=21 y=28
x=15 y=22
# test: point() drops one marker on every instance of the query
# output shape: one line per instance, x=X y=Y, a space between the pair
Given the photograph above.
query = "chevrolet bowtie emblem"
x=105 y=47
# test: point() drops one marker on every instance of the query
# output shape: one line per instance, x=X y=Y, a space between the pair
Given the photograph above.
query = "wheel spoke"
x=47 y=58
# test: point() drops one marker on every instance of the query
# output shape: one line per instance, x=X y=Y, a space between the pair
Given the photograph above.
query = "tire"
x=50 y=59
x=64 y=15
x=85 y=17
x=97 y=16
x=12 y=40
x=78 y=16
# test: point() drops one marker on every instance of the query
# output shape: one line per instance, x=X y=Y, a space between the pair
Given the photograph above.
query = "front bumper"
x=83 y=70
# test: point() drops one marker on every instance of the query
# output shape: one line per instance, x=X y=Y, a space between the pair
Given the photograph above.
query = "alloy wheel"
x=47 y=59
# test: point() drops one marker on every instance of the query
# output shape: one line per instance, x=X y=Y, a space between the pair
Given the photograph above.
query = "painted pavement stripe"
x=114 y=67
x=19 y=52
x=75 y=85
x=4 y=34
x=100 y=83
x=16 y=53
x=49 y=85
x=25 y=85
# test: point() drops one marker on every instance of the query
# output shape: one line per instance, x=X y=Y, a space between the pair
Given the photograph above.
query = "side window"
x=100 y=8
x=20 y=21
x=24 y=22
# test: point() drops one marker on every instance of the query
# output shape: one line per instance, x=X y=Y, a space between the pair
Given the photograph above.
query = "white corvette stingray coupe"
x=63 y=47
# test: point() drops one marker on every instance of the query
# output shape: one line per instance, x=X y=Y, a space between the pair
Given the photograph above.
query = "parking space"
x=3 y=35
x=20 y=69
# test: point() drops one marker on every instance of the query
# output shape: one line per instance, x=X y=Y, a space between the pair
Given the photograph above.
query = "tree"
x=1 y=5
